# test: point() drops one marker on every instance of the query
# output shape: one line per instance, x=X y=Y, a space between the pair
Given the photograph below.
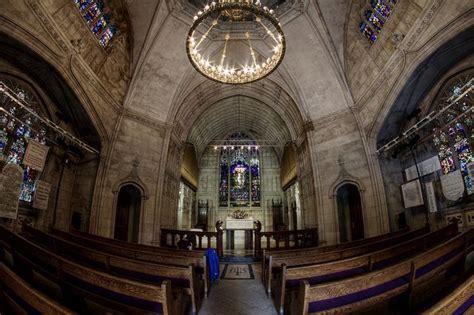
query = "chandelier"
x=222 y=42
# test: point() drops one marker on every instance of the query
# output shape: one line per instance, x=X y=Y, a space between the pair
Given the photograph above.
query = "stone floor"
x=238 y=297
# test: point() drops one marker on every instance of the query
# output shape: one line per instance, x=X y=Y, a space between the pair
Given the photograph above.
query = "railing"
x=274 y=240
x=200 y=240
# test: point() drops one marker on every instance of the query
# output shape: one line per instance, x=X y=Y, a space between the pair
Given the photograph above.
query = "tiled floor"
x=238 y=297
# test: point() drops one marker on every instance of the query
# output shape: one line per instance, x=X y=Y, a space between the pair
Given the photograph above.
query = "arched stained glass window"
x=239 y=166
x=375 y=17
x=454 y=131
x=95 y=14
x=17 y=127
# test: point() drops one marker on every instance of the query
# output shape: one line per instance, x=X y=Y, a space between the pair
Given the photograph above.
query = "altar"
x=240 y=232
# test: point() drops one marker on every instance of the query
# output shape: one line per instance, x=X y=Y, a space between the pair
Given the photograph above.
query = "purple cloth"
x=175 y=282
x=322 y=305
x=328 y=277
x=465 y=306
x=437 y=262
x=114 y=296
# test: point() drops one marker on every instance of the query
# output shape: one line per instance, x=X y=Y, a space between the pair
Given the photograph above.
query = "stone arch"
x=132 y=179
x=350 y=214
x=434 y=60
x=345 y=178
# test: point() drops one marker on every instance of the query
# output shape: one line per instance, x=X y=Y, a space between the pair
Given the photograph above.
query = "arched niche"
x=349 y=212
x=129 y=205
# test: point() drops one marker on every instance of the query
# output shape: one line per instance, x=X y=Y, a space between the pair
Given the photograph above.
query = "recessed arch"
x=129 y=206
x=349 y=210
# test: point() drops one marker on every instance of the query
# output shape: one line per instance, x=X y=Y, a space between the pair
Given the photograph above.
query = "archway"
x=127 y=218
x=349 y=207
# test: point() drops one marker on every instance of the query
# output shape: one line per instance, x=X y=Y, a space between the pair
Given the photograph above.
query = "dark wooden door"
x=122 y=216
x=351 y=222
x=355 y=212
x=127 y=217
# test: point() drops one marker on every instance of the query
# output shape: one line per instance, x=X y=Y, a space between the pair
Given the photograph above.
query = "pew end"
x=300 y=305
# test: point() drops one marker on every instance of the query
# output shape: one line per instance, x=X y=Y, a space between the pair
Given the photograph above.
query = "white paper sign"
x=453 y=185
x=426 y=167
x=41 y=198
x=430 y=196
x=412 y=194
x=35 y=155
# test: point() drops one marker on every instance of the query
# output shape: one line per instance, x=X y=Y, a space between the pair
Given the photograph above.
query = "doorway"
x=351 y=222
x=127 y=218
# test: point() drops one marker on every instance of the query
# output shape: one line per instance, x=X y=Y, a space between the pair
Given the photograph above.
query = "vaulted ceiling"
x=311 y=74
x=238 y=114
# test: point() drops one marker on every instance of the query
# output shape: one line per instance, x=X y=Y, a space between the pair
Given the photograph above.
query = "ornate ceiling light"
x=222 y=42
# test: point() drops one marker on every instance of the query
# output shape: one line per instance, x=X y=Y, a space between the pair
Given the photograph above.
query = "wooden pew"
x=165 y=256
x=182 y=278
x=321 y=249
x=273 y=262
x=18 y=297
x=460 y=301
x=352 y=294
x=130 y=245
x=317 y=273
x=114 y=292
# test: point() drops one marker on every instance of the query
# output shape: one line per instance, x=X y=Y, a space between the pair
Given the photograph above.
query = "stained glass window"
x=17 y=127
x=95 y=14
x=375 y=17
x=239 y=167
x=455 y=129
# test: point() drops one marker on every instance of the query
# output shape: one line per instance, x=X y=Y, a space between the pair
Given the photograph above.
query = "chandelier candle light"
x=230 y=65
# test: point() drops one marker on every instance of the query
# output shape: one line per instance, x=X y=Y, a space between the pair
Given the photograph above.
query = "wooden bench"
x=352 y=294
x=165 y=256
x=18 y=297
x=460 y=301
x=116 y=293
x=321 y=249
x=182 y=278
x=317 y=273
x=273 y=262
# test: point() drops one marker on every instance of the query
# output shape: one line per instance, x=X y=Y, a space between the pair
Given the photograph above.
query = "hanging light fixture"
x=222 y=41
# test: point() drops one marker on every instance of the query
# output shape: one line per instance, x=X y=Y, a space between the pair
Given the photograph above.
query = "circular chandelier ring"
x=218 y=73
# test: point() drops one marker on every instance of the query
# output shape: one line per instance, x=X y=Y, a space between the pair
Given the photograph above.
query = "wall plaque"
x=453 y=185
x=426 y=167
x=430 y=197
x=35 y=155
x=412 y=194
x=10 y=184
x=41 y=198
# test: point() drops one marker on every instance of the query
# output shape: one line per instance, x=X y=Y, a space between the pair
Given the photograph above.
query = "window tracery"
x=17 y=128
x=375 y=17
x=239 y=166
x=455 y=129
x=96 y=15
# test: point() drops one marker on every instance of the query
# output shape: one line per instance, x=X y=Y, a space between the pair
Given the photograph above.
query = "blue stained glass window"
x=107 y=36
x=376 y=22
x=224 y=180
x=453 y=143
x=102 y=22
x=255 y=174
x=368 y=32
x=17 y=127
x=83 y=4
x=94 y=13
x=375 y=17
x=381 y=7
x=239 y=168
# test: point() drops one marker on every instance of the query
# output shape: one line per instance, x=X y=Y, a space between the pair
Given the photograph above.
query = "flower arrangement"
x=239 y=214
